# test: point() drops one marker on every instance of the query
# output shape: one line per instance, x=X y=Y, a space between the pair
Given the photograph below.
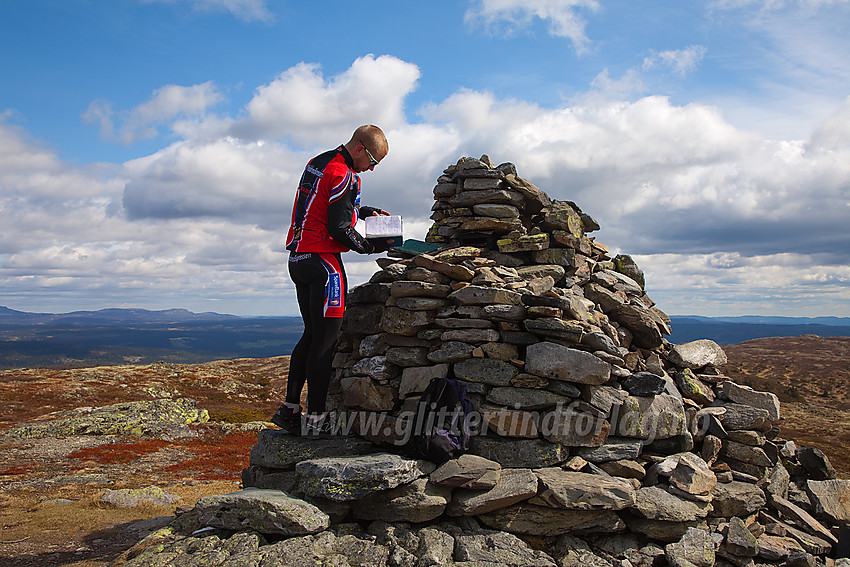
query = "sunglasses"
x=372 y=161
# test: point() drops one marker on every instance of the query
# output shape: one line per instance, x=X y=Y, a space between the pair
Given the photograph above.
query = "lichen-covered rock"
x=130 y=497
x=651 y=417
x=158 y=417
x=654 y=503
x=351 y=478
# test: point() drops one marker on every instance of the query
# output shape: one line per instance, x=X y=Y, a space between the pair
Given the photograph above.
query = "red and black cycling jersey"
x=327 y=206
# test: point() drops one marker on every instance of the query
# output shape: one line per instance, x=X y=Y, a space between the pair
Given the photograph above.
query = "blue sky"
x=149 y=149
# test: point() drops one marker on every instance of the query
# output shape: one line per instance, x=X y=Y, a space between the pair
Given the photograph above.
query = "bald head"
x=367 y=139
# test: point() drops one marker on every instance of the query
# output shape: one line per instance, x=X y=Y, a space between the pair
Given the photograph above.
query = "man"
x=327 y=206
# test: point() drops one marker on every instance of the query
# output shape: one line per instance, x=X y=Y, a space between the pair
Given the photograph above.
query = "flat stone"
x=697 y=354
x=418 y=501
x=368 y=293
x=519 y=453
x=654 y=503
x=573 y=427
x=737 y=393
x=525 y=398
x=351 y=478
x=416 y=379
x=498 y=548
x=830 y=499
x=544 y=521
x=644 y=384
x=536 y=271
x=511 y=423
x=605 y=398
x=420 y=303
x=651 y=417
x=624 y=468
x=477 y=295
x=809 y=523
x=582 y=491
x=776 y=548
x=736 y=499
x=560 y=215
x=264 y=511
x=278 y=450
x=641 y=322
x=556 y=327
x=473 y=336
x=746 y=453
x=454 y=271
x=404 y=322
x=743 y=416
x=613 y=449
x=469 y=198
x=514 y=485
x=740 y=540
x=524 y=243
x=661 y=530
x=695 y=548
x=451 y=351
x=467 y=471
x=554 y=361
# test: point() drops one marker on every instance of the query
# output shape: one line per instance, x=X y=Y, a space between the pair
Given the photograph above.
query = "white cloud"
x=165 y=105
x=513 y=15
x=246 y=10
x=301 y=105
x=681 y=61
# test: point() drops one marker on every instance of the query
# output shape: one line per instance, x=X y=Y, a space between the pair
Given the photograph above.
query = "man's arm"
x=340 y=215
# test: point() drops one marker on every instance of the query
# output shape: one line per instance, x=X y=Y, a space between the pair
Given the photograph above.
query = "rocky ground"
x=50 y=502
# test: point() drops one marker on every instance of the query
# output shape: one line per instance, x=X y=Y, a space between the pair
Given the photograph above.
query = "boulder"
x=737 y=393
x=740 y=540
x=697 y=354
x=695 y=548
x=830 y=499
x=498 y=548
x=351 y=478
x=265 y=511
x=736 y=499
x=651 y=417
x=554 y=361
x=514 y=485
x=467 y=471
x=654 y=503
x=581 y=491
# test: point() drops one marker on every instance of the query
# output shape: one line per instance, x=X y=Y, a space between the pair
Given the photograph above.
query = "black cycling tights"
x=312 y=357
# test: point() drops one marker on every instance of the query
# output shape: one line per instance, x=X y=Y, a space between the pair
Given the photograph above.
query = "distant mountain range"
x=734 y=330
x=114 y=316
x=118 y=336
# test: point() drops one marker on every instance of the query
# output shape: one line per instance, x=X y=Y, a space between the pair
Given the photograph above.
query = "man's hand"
x=372 y=212
x=380 y=244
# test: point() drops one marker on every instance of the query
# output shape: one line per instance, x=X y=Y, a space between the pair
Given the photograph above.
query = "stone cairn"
x=596 y=442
